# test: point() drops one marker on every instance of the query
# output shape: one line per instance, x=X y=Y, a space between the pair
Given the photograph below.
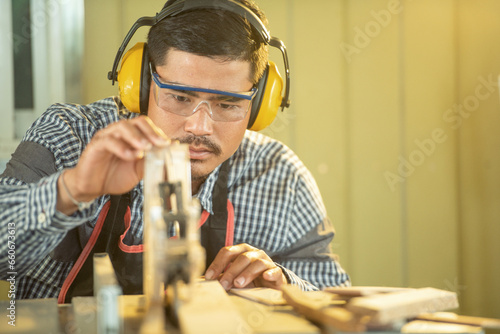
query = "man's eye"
x=180 y=98
x=227 y=106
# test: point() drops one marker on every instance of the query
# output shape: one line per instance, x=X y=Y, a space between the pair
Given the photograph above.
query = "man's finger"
x=224 y=258
x=151 y=132
x=245 y=274
x=274 y=275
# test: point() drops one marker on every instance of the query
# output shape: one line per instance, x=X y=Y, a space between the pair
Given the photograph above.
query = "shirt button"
x=42 y=217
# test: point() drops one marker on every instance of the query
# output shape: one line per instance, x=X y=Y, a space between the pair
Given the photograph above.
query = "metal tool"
x=173 y=254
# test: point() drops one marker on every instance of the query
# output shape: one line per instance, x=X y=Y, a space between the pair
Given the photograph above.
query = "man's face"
x=210 y=142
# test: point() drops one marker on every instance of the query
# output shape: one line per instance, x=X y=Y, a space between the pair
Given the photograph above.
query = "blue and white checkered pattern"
x=275 y=198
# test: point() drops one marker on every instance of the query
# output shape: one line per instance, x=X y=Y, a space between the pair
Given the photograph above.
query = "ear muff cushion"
x=257 y=100
x=270 y=100
x=145 y=82
x=133 y=79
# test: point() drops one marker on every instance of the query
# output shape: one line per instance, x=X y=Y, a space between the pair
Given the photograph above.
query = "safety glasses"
x=222 y=106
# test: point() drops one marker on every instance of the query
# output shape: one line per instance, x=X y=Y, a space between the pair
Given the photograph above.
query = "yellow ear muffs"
x=135 y=76
x=268 y=100
x=134 y=79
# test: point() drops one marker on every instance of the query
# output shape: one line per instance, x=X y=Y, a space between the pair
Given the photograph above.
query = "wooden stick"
x=209 y=310
x=389 y=307
x=266 y=296
x=359 y=291
x=320 y=312
x=433 y=327
x=460 y=319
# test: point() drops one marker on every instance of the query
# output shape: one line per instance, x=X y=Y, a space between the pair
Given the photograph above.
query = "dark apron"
x=113 y=224
x=217 y=230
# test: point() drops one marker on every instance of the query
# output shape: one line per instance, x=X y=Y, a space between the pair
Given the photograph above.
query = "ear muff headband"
x=257 y=121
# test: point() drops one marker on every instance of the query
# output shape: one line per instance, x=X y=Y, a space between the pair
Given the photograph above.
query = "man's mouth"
x=200 y=147
x=199 y=152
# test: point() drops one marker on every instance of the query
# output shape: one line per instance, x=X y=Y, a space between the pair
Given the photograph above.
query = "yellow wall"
x=394 y=112
x=376 y=93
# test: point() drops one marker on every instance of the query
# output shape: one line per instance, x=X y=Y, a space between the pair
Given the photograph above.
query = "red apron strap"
x=107 y=236
x=84 y=254
x=121 y=245
x=203 y=218
x=230 y=224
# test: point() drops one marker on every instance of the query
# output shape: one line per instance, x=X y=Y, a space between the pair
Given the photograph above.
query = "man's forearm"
x=30 y=224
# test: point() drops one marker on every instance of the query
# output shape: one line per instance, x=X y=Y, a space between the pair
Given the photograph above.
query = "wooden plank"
x=320 y=310
x=265 y=296
x=460 y=319
x=390 y=307
x=85 y=314
x=275 y=319
x=420 y=326
x=360 y=291
x=208 y=309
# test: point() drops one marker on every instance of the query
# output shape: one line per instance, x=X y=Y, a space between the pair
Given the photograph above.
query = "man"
x=59 y=189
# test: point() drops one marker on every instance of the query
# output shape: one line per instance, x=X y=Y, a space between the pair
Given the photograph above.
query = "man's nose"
x=200 y=122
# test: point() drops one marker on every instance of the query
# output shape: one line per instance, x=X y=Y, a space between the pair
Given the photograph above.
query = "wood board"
x=390 y=307
x=460 y=319
x=265 y=296
x=360 y=291
x=209 y=310
x=320 y=311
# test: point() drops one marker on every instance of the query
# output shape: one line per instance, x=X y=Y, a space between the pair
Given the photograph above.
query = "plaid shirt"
x=277 y=205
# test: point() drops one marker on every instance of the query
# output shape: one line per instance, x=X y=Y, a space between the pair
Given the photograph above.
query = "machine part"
x=107 y=290
x=172 y=249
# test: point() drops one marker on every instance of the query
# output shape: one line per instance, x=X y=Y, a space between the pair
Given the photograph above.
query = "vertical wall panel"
x=100 y=48
x=319 y=105
x=107 y=23
x=7 y=79
x=479 y=142
x=282 y=25
x=372 y=108
x=317 y=117
x=429 y=147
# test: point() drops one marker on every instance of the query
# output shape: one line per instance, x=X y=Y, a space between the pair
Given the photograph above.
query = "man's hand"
x=112 y=162
x=245 y=266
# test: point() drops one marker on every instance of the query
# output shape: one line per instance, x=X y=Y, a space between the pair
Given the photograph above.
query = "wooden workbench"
x=45 y=316
x=214 y=312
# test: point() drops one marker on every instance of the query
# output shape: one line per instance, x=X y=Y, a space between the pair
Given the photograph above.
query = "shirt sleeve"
x=30 y=225
x=279 y=209
x=308 y=261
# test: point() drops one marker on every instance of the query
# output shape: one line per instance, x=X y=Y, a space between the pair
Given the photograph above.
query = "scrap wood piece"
x=272 y=319
x=85 y=313
x=320 y=311
x=209 y=310
x=420 y=326
x=460 y=319
x=359 y=291
x=273 y=297
x=394 y=306
x=266 y=296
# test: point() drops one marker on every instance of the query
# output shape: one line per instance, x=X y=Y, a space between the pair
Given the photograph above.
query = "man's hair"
x=214 y=33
